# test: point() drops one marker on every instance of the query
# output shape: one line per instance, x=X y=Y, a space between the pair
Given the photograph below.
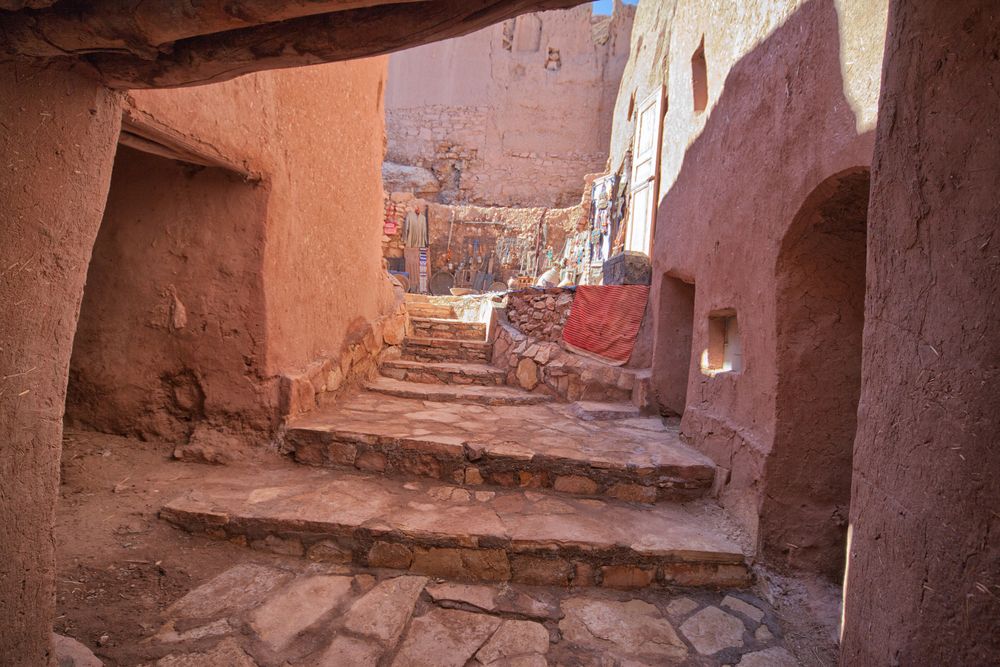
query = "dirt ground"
x=120 y=567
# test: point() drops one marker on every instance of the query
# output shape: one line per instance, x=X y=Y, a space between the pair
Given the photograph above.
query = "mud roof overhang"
x=172 y=43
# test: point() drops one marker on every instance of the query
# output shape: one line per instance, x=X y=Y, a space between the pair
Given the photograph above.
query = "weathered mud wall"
x=56 y=149
x=171 y=331
x=922 y=583
x=513 y=115
x=792 y=94
x=820 y=309
x=232 y=282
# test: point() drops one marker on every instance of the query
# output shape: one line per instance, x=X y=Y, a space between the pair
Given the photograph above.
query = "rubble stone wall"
x=540 y=313
x=455 y=227
x=512 y=115
x=542 y=366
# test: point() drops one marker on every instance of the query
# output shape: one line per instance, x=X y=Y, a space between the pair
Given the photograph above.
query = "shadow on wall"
x=820 y=304
x=171 y=328
x=781 y=126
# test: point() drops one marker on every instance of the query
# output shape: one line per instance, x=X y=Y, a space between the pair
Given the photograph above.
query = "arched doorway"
x=820 y=282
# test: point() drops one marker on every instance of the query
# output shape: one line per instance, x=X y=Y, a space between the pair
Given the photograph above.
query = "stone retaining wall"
x=327 y=377
x=538 y=365
x=540 y=313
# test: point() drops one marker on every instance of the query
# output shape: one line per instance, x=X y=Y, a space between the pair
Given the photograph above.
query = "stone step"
x=416 y=348
x=600 y=411
x=539 y=446
x=434 y=327
x=447 y=531
x=425 y=309
x=443 y=373
x=475 y=394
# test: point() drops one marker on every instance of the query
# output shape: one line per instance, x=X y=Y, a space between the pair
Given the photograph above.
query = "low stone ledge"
x=539 y=365
x=327 y=377
x=450 y=459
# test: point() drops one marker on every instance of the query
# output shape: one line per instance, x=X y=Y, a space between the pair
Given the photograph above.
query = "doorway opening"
x=674 y=339
x=172 y=320
x=820 y=316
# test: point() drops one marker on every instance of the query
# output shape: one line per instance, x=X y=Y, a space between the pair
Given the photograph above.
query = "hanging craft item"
x=424 y=264
x=390 y=224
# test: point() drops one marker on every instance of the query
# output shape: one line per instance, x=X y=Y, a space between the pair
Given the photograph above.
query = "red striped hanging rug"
x=604 y=321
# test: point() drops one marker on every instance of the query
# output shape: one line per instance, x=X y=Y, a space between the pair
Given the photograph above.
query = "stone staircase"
x=441 y=469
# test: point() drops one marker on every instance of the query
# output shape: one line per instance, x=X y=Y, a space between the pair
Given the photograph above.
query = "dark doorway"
x=674 y=331
x=820 y=315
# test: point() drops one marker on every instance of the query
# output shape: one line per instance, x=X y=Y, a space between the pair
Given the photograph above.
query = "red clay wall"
x=171 y=332
x=269 y=276
x=56 y=149
x=784 y=113
x=922 y=585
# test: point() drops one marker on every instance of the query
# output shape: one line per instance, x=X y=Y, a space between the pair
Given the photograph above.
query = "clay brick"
x=633 y=493
x=474 y=564
x=340 y=453
x=575 y=484
x=541 y=571
x=626 y=576
x=373 y=461
x=391 y=555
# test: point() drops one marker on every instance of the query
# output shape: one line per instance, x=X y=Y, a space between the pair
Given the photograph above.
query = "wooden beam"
x=147 y=27
x=309 y=40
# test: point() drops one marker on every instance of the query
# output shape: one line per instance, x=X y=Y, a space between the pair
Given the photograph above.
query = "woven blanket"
x=604 y=321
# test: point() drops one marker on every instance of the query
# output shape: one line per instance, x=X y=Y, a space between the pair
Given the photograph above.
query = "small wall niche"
x=723 y=353
x=699 y=78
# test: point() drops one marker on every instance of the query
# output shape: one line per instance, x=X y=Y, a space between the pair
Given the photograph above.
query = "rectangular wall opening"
x=723 y=354
x=699 y=78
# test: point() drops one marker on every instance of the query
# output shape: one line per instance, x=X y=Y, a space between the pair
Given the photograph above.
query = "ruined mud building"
x=514 y=115
x=821 y=227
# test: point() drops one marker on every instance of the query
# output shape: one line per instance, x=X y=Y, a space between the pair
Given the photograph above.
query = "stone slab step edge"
x=450 y=460
x=603 y=411
x=443 y=349
x=469 y=394
x=417 y=309
x=443 y=372
x=433 y=327
x=467 y=558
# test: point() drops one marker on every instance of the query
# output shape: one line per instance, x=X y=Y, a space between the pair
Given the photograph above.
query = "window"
x=699 y=78
x=723 y=353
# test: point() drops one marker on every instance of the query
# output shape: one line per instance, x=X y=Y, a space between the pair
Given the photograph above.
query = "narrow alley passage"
x=533 y=533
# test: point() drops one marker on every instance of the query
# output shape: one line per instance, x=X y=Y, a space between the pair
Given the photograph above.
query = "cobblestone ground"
x=315 y=615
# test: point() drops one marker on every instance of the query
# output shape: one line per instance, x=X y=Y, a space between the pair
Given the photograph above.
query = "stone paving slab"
x=475 y=394
x=409 y=621
x=448 y=531
x=447 y=372
x=537 y=446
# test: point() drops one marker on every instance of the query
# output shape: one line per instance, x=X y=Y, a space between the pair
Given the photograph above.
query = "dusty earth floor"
x=122 y=574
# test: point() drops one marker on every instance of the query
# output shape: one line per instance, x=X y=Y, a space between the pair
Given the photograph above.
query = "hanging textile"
x=416 y=230
x=412 y=259
x=604 y=321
